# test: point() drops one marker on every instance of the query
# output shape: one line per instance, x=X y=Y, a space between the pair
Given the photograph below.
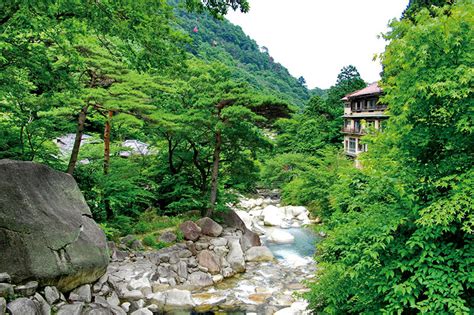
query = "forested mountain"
x=219 y=40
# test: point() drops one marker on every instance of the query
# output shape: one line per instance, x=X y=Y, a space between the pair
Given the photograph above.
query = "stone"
x=258 y=253
x=27 y=289
x=139 y=284
x=182 y=269
x=5 y=277
x=97 y=310
x=281 y=237
x=6 y=290
x=3 y=306
x=185 y=253
x=136 y=245
x=210 y=261
x=53 y=240
x=142 y=311
x=179 y=299
x=200 y=279
x=235 y=257
x=113 y=299
x=51 y=294
x=249 y=238
x=303 y=217
x=221 y=250
x=117 y=310
x=81 y=294
x=168 y=237
x=99 y=300
x=273 y=216
x=209 y=227
x=158 y=299
x=245 y=217
x=23 y=306
x=191 y=230
x=133 y=295
x=125 y=306
x=217 y=278
x=221 y=241
x=43 y=304
x=228 y=272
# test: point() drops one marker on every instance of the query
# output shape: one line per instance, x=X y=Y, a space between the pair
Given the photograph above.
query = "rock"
x=168 y=237
x=217 y=278
x=53 y=240
x=295 y=210
x=281 y=237
x=258 y=253
x=133 y=295
x=139 y=284
x=209 y=227
x=296 y=308
x=221 y=241
x=210 y=261
x=245 y=217
x=44 y=306
x=182 y=269
x=249 y=238
x=200 y=279
x=158 y=299
x=228 y=272
x=303 y=217
x=285 y=225
x=3 y=306
x=51 y=294
x=125 y=306
x=81 y=294
x=6 y=290
x=142 y=311
x=5 y=277
x=221 y=251
x=113 y=299
x=235 y=257
x=27 y=289
x=179 y=299
x=136 y=245
x=190 y=230
x=23 y=306
x=273 y=216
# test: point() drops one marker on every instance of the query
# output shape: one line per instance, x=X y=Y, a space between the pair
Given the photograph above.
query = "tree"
x=302 y=81
x=218 y=8
x=415 y=6
x=400 y=236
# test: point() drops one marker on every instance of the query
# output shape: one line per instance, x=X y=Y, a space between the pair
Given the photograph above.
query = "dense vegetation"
x=400 y=230
x=219 y=40
x=202 y=95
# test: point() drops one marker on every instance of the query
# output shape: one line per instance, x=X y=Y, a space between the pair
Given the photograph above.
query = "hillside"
x=220 y=40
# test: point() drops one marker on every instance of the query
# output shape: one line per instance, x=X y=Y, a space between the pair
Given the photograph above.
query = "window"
x=357 y=125
x=352 y=145
x=371 y=104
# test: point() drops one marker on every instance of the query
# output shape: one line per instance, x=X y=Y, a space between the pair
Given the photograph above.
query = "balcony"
x=354 y=131
x=369 y=109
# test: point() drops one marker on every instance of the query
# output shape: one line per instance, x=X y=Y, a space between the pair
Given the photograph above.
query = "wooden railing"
x=352 y=130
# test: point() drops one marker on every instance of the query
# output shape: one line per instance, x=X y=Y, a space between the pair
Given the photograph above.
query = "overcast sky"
x=316 y=38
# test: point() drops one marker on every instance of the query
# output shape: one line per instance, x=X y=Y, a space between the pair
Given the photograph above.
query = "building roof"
x=371 y=89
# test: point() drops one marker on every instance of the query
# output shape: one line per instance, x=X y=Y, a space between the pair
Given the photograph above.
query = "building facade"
x=362 y=113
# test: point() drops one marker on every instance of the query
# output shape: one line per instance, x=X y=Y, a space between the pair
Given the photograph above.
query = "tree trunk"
x=77 y=141
x=215 y=173
x=108 y=209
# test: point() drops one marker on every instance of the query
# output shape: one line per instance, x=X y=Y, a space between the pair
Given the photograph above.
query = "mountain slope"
x=220 y=40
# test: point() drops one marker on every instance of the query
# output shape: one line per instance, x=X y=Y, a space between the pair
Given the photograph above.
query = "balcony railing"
x=355 y=131
x=369 y=109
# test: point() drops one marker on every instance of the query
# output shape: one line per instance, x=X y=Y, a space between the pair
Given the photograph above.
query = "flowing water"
x=265 y=287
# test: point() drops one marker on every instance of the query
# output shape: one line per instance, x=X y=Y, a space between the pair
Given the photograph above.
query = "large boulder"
x=259 y=253
x=281 y=237
x=209 y=227
x=249 y=238
x=273 y=216
x=210 y=261
x=235 y=257
x=46 y=228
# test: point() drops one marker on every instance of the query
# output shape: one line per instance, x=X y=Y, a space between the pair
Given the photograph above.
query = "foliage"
x=150 y=240
x=400 y=230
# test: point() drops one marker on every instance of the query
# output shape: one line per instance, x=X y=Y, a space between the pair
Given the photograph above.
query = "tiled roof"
x=372 y=88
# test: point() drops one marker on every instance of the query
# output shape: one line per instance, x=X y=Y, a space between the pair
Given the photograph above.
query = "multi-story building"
x=362 y=113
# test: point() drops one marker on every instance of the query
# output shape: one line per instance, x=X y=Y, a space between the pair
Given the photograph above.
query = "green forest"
x=216 y=117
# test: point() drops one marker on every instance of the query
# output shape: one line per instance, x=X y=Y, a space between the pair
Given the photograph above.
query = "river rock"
x=235 y=257
x=272 y=216
x=23 y=306
x=51 y=294
x=44 y=306
x=295 y=210
x=209 y=227
x=142 y=311
x=5 y=277
x=3 y=306
x=27 y=289
x=179 y=299
x=200 y=279
x=168 y=237
x=245 y=217
x=47 y=231
x=190 y=230
x=210 y=261
x=258 y=253
x=281 y=237
x=81 y=294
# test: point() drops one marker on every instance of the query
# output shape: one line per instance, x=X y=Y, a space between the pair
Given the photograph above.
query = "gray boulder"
x=210 y=261
x=6 y=290
x=46 y=228
x=71 y=309
x=235 y=257
x=200 y=279
x=81 y=294
x=209 y=227
x=27 y=289
x=249 y=238
x=258 y=253
x=168 y=237
x=179 y=299
x=24 y=306
x=5 y=277
x=52 y=295
x=3 y=306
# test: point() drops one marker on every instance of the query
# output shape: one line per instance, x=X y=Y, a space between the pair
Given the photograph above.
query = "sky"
x=316 y=38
